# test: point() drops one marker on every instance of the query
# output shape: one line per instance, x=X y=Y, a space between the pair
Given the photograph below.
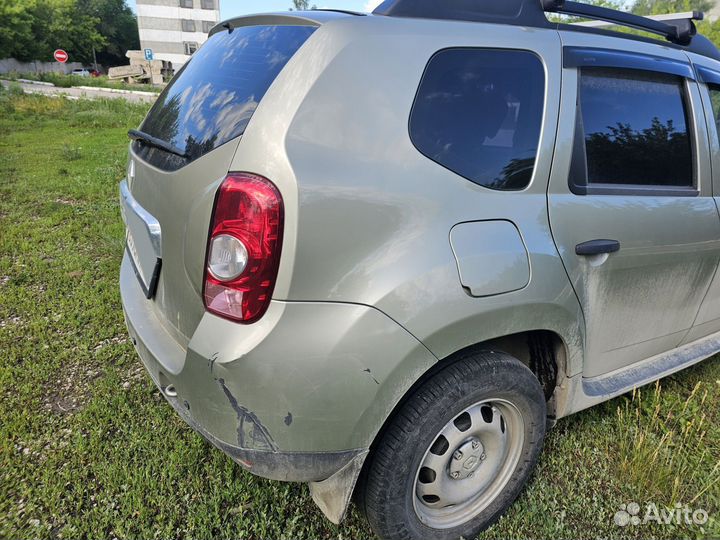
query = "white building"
x=713 y=13
x=174 y=29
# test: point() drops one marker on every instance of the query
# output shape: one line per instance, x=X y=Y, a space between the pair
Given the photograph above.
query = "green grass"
x=67 y=81
x=88 y=448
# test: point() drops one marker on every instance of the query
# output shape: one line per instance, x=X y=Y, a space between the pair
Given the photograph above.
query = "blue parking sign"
x=148 y=54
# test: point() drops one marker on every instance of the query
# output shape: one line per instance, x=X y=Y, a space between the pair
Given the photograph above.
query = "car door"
x=708 y=74
x=630 y=198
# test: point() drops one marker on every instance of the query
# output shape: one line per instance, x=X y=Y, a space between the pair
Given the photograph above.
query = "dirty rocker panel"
x=639 y=374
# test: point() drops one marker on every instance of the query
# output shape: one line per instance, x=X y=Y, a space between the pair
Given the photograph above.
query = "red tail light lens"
x=244 y=248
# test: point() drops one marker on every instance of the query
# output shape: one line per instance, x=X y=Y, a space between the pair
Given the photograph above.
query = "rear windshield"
x=213 y=97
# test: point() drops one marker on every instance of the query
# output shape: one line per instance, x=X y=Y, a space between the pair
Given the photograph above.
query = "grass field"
x=88 y=448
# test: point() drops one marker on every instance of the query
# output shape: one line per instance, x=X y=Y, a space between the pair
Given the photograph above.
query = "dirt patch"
x=71 y=392
x=12 y=321
x=117 y=340
x=67 y=201
x=4 y=280
x=136 y=374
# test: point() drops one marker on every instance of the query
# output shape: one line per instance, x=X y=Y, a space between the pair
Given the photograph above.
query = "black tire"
x=389 y=495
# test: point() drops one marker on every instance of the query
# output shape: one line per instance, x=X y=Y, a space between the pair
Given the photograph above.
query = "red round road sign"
x=61 y=56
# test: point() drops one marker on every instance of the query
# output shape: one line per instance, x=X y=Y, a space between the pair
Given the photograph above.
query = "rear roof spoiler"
x=284 y=18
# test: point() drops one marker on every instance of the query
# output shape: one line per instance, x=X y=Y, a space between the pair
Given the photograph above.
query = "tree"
x=74 y=29
x=659 y=7
x=33 y=29
x=117 y=24
x=16 y=31
x=710 y=30
x=302 y=5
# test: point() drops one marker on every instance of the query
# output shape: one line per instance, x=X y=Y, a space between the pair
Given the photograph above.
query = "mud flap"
x=333 y=495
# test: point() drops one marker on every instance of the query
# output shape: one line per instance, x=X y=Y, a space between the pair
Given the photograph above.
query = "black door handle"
x=597 y=247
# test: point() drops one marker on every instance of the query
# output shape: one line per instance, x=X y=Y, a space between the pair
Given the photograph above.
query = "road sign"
x=61 y=56
x=148 y=54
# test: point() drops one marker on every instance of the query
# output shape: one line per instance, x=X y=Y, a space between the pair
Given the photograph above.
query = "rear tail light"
x=244 y=248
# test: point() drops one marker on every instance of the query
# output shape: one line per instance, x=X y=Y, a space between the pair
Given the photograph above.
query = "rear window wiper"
x=148 y=139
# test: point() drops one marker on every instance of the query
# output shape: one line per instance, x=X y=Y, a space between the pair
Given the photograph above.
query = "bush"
x=14 y=89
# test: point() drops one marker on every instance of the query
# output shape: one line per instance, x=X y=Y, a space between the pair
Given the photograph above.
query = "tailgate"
x=201 y=117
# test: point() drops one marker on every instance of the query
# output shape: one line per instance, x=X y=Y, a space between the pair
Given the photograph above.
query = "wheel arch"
x=543 y=351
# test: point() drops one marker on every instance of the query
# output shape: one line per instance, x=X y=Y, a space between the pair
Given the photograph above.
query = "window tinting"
x=188 y=25
x=215 y=94
x=478 y=112
x=186 y=3
x=208 y=4
x=207 y=26
x=635 y=128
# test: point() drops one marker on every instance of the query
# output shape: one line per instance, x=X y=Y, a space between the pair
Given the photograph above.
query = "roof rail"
x=692 y=15
x=345 y=11
x=680 y=31
x=517 y=12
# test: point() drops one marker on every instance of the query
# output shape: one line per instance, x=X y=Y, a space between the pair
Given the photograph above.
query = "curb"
x=30 y=81
x=116 y=90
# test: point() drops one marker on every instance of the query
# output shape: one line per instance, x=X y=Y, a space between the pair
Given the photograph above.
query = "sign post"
x=61 y=56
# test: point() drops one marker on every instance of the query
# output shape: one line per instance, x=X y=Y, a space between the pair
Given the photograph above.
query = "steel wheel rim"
x=460 y=477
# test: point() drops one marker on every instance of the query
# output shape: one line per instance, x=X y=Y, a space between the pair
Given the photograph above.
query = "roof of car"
x=680 y=33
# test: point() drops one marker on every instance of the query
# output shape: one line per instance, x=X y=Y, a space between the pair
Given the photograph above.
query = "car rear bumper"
x=294 y=397
x=153 y=343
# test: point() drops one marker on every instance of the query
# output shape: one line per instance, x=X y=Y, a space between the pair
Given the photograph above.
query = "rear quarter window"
x=478 y=112
x=214 y=96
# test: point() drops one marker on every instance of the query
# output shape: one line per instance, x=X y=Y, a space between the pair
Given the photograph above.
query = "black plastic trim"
x=517 y=12
x=574 y=57
x=635 y=190
x=281 y=466
x=343 y=11
x=597 y=247
x=700 y=44
x=150 y=289
x=145 y=138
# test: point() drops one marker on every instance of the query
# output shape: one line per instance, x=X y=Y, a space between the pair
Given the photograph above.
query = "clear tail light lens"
x=244 y=248
x=228 y=258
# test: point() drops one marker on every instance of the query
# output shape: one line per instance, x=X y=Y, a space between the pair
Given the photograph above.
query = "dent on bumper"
x=295 y=397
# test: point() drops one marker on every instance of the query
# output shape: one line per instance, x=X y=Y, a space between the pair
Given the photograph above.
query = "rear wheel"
x=458 y=452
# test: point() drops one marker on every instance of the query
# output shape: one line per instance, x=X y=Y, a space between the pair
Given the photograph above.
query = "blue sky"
x=232 y=8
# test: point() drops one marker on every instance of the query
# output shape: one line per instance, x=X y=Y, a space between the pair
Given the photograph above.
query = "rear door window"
x=478 y=112
x=635 y=127
x=214 y=96
x=714 y=90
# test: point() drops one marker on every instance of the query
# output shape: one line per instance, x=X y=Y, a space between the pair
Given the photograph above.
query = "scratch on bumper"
x=259 y=436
